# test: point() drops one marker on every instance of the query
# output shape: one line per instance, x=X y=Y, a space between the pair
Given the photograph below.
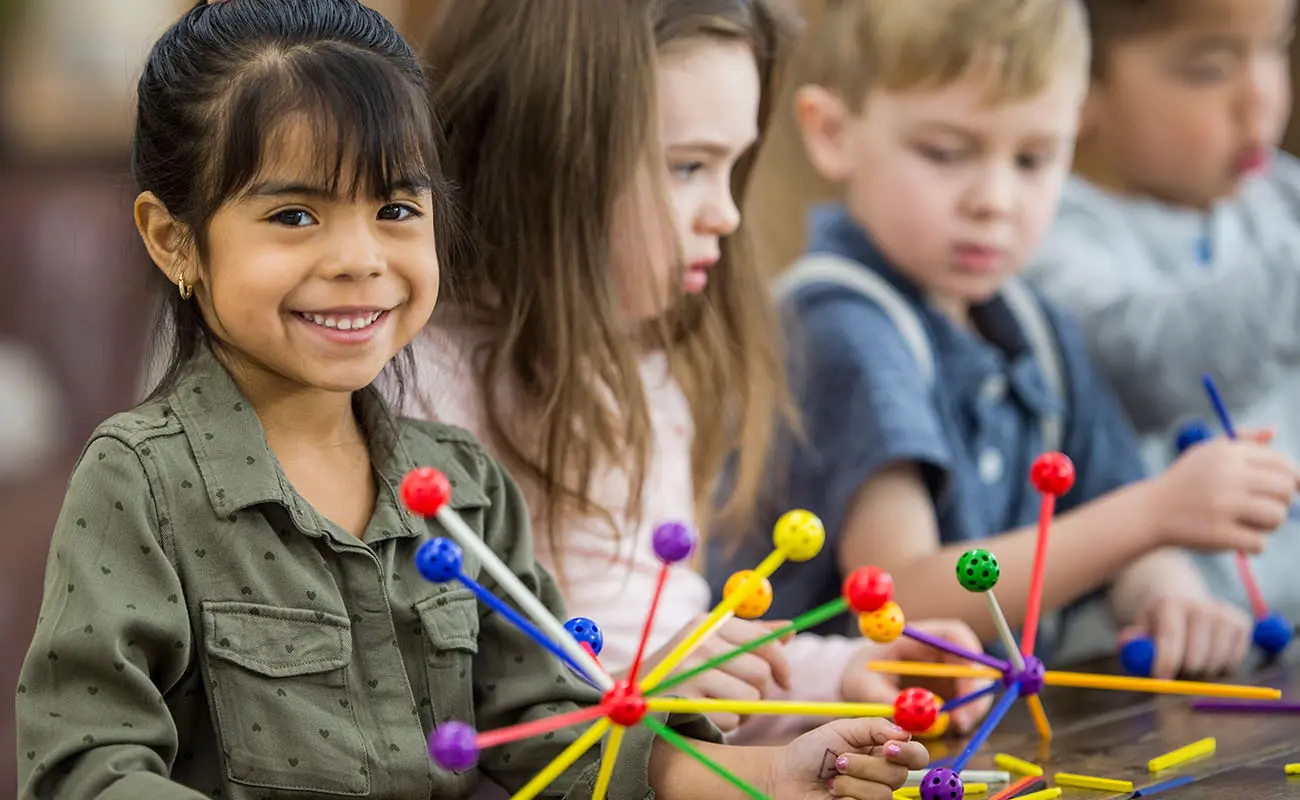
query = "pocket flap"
x=450 y=619
x=276 y=642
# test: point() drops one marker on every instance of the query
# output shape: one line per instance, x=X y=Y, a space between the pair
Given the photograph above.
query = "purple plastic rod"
x=956 y=650
x=1248 y=706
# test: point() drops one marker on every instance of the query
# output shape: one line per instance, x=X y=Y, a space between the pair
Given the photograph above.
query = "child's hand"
x=1192 y=635
x=859 y=685
x=751 y=676
x=864 y=758
x=1224 y=495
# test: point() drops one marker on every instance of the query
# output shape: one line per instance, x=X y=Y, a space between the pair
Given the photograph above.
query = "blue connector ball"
x=1138 y=656
x=439 y=560
x=584 y=630
x=1192 y=432
x=1272 y=634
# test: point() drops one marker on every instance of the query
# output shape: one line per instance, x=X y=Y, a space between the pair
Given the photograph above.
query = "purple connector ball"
x=673 y=542
x=1272 y=634
x=453 y=746
x=584 y=630
x=942 y=783
x=439 y=560
x=1031 y=680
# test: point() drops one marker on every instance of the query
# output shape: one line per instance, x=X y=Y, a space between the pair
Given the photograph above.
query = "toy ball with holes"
x=758 y=598
x=798 y=535
x=586 y=633
x=978 y=570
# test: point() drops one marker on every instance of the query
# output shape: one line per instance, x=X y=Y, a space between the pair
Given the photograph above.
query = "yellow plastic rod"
x=607 y=763
x=562 y=762
x=1124 y=683
x=1089 y=782
x=1017 y=765
x=1182 y=755
x=915 y=791
x=745 y=708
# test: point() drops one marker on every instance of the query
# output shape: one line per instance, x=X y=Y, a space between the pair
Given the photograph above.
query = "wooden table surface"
x=1114 y=734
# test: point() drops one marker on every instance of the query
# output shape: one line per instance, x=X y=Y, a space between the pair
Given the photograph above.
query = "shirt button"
x=994 y=389
x=990 y=466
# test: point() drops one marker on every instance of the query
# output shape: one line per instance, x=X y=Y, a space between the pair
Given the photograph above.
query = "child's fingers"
x=955 y=631
x=863 y=733
x=910 y=755
x=846 y=786
x=1200 y=640
x=777 y=624
x=884 y=768
x=725 y=722
x=753 y=670
x=777 y=666
x=966 y=718
x=1231 y=634
x=1241 y=642
x=1241 y=536
x=1259 y=435
x=720 y=685
x=1168 y=629
x=1264 y=513
x=1278 y=484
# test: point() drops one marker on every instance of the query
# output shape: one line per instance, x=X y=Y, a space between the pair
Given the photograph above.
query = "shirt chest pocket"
x=451 y=627
x=278 y=682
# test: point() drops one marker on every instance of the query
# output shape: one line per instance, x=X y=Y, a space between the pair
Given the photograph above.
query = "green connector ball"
x=978 y=570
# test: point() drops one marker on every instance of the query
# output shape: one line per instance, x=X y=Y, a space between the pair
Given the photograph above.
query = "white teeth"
x=344 y=323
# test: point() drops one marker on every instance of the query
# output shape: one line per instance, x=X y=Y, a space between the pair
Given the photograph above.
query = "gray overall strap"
x=1042 y=339
x=832 y=269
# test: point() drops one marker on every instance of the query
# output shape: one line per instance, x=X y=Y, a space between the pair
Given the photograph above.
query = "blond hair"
x=853 y=47
x=551 y=112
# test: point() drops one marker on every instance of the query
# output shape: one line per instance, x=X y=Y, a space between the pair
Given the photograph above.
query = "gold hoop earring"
x=186 y=289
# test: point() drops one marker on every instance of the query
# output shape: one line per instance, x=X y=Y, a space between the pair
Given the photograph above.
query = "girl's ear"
x=823 y=122
x=164 y=238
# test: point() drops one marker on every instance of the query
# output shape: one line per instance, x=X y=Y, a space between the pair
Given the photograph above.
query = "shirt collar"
x=240 y=471
x=1001 y=345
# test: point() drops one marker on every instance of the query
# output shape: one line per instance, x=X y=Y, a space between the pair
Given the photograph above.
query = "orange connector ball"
x=884 y=625
x=759 y=599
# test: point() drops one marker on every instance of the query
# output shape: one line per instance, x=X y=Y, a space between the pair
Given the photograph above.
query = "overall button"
x=990 y=466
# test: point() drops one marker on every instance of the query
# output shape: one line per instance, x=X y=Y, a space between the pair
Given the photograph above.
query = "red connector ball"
x=867 y=589
x=915 y=710
x=627 y=706
x=425 y=491
x=1052 y=473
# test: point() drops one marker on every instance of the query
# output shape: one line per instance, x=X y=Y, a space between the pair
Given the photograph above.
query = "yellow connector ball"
x=940 y=726
x=883 y=625
x=799 y=535
x=757 y=601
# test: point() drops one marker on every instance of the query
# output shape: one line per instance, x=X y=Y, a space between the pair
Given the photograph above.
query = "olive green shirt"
x=205 y=633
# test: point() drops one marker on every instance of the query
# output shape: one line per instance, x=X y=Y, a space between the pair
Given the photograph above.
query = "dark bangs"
x=371 y=129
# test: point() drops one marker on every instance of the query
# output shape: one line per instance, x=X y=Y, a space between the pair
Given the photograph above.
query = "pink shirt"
x=612 y=581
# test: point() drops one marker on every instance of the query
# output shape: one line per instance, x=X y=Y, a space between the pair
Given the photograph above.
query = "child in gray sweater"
x=1177 y=244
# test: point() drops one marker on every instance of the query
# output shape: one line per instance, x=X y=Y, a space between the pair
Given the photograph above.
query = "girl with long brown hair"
x=613 y=340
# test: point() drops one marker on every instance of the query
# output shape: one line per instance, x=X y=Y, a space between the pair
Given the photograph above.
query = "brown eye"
x=293 y=218
x=398 y=212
